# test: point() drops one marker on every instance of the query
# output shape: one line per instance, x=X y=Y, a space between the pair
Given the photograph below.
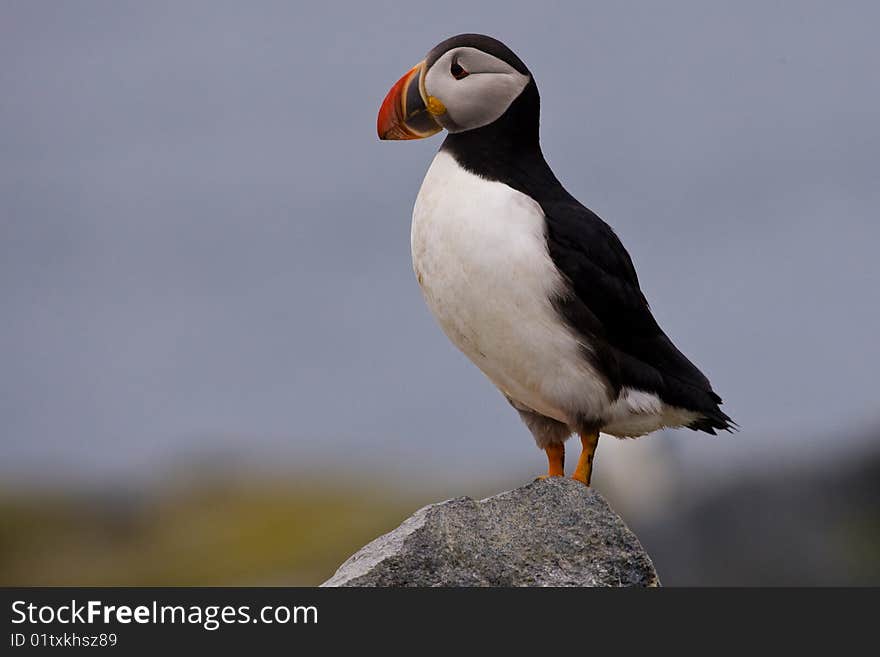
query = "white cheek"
x=478 y=99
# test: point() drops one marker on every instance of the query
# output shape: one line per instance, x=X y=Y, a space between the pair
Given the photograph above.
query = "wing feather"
x=605 y=304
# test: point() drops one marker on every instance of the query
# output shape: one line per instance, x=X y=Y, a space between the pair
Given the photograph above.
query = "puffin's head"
x=466 y=82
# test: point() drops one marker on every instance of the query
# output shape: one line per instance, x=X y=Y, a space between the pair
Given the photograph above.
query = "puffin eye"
x=457 y=71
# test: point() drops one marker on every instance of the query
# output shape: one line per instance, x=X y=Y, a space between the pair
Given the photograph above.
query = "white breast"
x=480 y=255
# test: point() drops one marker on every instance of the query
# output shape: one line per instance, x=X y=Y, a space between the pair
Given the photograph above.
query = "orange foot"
x=555 y=461
x=584 y=469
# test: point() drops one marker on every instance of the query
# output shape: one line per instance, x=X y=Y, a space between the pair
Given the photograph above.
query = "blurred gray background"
x=204 y=249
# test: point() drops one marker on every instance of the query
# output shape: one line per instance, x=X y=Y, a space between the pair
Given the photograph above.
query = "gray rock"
x=554 y=532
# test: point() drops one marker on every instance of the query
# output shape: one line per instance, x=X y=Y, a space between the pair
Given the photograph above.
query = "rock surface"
x=554 y=532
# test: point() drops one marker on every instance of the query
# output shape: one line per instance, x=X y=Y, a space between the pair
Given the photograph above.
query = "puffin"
x=531 y=285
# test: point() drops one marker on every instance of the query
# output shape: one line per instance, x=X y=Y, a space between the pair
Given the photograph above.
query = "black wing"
x=606 y=305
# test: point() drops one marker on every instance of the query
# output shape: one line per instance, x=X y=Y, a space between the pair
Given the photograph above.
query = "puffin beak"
x=407 y=111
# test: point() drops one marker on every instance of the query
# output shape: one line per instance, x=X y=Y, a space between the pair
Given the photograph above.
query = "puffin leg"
x=585 y=463
x=555 y=460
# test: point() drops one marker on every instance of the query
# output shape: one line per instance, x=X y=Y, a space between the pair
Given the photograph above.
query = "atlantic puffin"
x=530 y=284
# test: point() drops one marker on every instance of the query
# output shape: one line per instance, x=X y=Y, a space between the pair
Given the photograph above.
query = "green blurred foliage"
x=258 y=531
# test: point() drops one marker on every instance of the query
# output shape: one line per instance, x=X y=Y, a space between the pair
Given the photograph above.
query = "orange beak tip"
x=391 y=123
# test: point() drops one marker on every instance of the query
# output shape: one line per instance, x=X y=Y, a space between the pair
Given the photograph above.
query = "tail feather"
x=715 y=420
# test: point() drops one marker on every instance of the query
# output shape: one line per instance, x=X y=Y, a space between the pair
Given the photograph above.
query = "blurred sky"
x=204 y=247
